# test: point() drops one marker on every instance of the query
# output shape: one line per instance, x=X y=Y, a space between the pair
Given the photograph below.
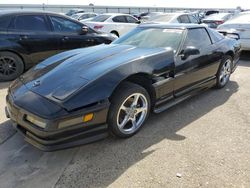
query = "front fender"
x=102 y=87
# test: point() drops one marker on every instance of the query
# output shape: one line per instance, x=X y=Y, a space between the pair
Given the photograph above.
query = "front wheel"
x=224 y=72
x=130 y=107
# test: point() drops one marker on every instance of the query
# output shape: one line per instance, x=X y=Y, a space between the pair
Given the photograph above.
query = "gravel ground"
x=202 y=142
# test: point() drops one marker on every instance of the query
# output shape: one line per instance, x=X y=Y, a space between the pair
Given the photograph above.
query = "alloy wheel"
x=225 y=72
x=7 y=66
x=132 y=113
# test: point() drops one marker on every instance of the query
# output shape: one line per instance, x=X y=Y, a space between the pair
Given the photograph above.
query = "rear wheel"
x=11 y=66
x=115 y=33
x=224 y=72
x=130 y=107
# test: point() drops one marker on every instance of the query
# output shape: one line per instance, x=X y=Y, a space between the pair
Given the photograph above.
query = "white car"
x=240 y=23
x=84 y=16
x=175 y=18
x=117 y=24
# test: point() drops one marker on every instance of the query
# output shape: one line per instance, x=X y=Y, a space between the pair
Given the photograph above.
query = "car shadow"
x=100 y=164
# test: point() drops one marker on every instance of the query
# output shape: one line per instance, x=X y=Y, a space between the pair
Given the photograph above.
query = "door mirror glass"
x=84 y=30
x=188 y=51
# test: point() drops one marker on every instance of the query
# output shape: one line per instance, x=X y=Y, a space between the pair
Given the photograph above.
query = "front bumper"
x=54 y=138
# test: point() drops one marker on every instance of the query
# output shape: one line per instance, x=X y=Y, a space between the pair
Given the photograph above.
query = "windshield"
x=152 y=38
x=100 y=18
x=162 y=18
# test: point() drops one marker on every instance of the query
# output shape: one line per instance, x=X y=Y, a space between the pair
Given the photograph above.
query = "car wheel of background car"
x=115 y=33
x=130 y=107
x=224 y=72
x=11 y=66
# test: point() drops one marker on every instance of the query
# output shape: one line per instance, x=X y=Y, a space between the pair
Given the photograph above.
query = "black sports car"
x=80 y=95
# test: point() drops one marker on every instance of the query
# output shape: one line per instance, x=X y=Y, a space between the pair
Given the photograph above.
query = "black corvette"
x=81 y=95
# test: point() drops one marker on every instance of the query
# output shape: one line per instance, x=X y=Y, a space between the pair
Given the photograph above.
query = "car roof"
x=18 y=11
x=171 y=26
x=116 y=14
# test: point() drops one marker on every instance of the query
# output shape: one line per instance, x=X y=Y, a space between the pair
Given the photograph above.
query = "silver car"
x=241 y=24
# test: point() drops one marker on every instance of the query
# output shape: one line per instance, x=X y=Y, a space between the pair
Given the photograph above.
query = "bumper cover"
x=54 y=138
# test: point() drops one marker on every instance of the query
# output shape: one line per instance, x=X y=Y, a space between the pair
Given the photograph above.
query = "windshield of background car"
x=152 y=38
x=100 y=18
x=162 y=18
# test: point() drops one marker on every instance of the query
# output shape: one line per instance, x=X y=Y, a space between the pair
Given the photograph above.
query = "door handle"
x=23 y=37
x=65 y=38
x=90 y=40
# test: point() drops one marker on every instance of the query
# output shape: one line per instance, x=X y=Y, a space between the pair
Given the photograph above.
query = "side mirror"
x=138 y=22
x=188 y=51
x=84 y=30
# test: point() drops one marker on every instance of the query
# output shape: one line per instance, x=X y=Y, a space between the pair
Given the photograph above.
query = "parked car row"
x=29 y=37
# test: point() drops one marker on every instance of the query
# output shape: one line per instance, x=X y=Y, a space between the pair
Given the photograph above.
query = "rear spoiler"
x=231 y=33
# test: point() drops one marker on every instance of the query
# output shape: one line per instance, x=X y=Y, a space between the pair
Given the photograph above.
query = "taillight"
x=98 y=26
x=219 y=22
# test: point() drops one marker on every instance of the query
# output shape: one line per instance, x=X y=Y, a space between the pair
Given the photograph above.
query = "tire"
x=115 y=33
x=125 y=118
x=11 y=66
x=224 y=72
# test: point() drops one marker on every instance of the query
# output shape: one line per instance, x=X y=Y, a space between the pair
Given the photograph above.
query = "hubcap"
x=132 y=113
x=7 y=66
x=225 y=72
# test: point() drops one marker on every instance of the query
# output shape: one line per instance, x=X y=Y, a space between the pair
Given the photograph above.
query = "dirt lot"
x=205 y=140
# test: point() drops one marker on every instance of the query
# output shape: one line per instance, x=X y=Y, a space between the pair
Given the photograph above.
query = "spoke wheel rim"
x=7 y=66
x=132 y=113
x=225 y=72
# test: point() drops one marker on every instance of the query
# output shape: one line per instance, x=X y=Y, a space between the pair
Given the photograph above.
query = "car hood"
x=61 y=75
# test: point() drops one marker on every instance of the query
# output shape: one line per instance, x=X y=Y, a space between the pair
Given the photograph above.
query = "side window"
x=30 y=23
x=193 y=19
x=198 y=38
x=131 y=19
x=5 y=22
x=183 y=19
x=64 y=25
x=120 y=19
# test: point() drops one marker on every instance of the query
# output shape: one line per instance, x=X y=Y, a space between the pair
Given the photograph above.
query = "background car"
x=74 y=11
x=84 y=16
x=214 y=20
x=148 y=15
x=28 y=37
x=174 y=18
x=209 y=12
x=240 y=23
x=115 y=23
x=114 y=87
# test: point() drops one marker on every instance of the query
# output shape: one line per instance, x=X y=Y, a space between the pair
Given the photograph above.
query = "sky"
x=244 y=4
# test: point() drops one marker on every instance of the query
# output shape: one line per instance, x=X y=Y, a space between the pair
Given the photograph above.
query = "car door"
x=32 y=35
x=193 y=70
x=69 y=33
x=132 y=22
x=120 y=24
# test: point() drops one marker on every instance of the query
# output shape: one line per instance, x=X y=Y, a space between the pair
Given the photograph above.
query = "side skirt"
x=169 y=102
